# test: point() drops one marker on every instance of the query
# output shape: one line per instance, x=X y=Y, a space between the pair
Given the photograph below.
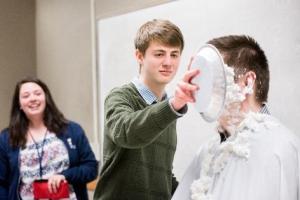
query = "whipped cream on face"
x=232 y=116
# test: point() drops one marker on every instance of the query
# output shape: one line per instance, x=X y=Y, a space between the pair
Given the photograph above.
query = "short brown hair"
x=162 y=31
x=244 y=54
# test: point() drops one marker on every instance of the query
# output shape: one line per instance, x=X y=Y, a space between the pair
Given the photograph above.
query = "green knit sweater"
x=139 y=147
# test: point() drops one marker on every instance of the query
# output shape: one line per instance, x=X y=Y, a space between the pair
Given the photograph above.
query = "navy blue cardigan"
x=83 y=165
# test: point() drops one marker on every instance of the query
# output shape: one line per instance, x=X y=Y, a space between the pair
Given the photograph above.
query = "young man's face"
x=159 y=64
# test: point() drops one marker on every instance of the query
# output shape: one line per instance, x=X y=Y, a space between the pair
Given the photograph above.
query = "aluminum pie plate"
x=210 y=97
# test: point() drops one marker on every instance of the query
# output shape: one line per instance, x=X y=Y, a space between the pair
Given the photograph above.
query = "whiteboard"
x=273 y=23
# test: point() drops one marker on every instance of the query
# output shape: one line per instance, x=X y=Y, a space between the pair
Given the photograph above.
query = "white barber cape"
x=259 y=162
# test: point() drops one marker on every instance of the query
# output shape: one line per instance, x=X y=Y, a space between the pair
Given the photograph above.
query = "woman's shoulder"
x=4 y=139
x=73 y=124
x=73 y=128
x=4 y=134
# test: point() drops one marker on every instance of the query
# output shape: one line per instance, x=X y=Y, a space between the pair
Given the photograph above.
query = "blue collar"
x=145 y=92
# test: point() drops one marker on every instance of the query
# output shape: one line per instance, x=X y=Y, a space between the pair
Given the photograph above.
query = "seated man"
x=254 y=157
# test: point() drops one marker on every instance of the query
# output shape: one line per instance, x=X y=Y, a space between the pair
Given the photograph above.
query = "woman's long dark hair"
x=53 y=119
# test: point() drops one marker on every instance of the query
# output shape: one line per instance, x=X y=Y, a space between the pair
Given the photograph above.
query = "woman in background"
x=40 y=143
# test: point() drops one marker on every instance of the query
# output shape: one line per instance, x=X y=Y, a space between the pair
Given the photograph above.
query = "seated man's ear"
x=247 y=80
x=250 y=79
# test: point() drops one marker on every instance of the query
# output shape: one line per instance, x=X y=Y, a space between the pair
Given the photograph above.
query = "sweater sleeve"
x=129 y=127
x=84 y=166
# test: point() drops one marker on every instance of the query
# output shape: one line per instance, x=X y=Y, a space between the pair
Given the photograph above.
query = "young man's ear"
x=139 y=56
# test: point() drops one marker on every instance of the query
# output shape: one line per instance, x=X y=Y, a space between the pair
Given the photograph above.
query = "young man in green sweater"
x=140 y=120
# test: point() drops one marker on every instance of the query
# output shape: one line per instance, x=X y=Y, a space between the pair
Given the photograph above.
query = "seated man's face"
x=234 y=111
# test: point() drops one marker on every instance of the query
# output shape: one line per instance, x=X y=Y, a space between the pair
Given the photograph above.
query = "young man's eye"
x=174 y=55
x=158 y=55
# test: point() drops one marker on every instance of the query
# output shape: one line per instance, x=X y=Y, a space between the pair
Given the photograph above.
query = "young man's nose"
x=167 y=60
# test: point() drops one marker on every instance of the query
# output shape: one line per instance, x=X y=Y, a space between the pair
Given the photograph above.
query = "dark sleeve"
x=129 y=127
x=85 y=168
x=3 y=169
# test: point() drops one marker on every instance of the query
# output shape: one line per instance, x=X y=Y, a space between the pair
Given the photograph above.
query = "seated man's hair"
x=244 y=54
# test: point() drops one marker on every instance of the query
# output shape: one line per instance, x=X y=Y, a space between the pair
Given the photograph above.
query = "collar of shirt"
x=264 y=109
x=144 y=91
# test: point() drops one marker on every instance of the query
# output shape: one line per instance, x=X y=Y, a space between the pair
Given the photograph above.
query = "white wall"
x=65 y=60
x=273 y=23
x=17 y=50
x=111 y=8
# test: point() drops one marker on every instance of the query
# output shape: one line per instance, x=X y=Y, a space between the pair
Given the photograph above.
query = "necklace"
x=40 y=154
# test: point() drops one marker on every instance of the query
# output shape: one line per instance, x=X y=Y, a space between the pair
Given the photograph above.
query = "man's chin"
x=165 y=81
x=229 y=124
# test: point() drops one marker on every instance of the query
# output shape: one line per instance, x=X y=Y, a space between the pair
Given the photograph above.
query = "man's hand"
x=185 y=90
